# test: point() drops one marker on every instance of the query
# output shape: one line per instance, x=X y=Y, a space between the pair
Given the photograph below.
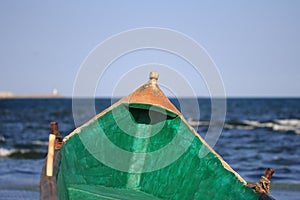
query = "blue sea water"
x=257 y=134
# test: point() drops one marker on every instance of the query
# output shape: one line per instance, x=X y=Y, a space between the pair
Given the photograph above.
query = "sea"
x=258 y=133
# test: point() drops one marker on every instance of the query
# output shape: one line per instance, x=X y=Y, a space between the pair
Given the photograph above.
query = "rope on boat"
x=263 y=185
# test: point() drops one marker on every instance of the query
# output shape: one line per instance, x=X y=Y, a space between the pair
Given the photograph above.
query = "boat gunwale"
x=150 y=89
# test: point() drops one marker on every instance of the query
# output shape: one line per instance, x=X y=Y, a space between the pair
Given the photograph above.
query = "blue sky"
x=254 y=44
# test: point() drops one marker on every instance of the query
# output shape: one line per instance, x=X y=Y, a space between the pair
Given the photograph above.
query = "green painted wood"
x=86 y=160
x=92 y=192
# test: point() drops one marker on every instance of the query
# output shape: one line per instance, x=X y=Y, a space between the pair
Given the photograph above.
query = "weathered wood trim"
x=50 y=155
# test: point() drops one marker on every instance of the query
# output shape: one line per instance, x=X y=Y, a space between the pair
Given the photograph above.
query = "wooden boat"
x=127 y=152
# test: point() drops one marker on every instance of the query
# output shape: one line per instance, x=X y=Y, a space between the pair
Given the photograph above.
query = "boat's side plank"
x=48 y=184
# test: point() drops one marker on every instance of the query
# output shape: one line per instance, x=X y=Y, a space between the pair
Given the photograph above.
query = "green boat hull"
x=84 y=174
x=140 y=148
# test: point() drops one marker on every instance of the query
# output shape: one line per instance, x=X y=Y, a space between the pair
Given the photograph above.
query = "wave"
x=40 y=143
x=2 y=139
x=21 y=153
x=280 y=125
x=286 y=185
x=30 y=145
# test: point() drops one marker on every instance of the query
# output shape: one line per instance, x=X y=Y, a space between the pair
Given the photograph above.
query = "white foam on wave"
x=196 y=123
x=7 y=152
x=280 y=125
x=257 y=124
x=10 y=152
x=288 y=125
x=2 y=138
x=40 y=143
x=290 y=122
